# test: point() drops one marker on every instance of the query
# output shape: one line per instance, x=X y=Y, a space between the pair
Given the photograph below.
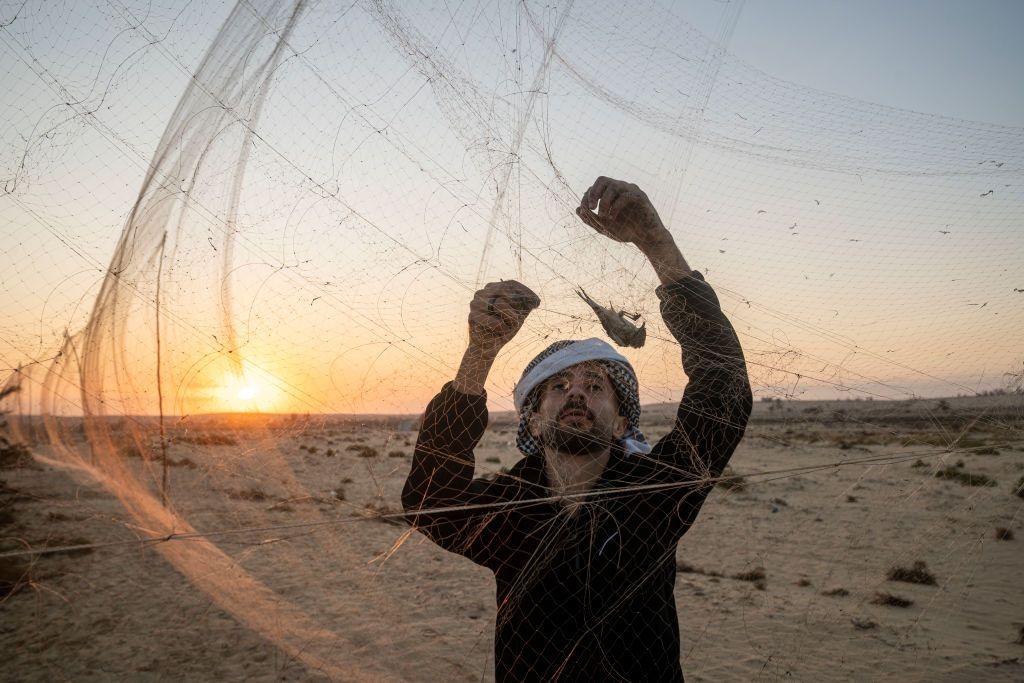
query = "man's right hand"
x=497 y=312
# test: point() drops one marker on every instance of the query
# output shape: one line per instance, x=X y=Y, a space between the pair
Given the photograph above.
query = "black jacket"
x=589 y=595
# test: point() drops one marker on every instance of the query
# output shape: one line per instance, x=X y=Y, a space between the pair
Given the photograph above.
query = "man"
x=581 y=534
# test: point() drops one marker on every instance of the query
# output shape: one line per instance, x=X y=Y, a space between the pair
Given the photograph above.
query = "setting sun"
x=246 y=390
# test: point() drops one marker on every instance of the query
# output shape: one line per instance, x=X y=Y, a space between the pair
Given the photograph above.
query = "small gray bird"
x=621 y=331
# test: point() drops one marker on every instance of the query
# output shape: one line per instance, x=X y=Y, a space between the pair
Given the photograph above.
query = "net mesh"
x=231 y=362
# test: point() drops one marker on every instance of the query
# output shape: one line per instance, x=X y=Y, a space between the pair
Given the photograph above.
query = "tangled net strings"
x=246 y=374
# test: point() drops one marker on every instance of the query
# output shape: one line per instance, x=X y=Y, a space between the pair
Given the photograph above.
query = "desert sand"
x=785 y=576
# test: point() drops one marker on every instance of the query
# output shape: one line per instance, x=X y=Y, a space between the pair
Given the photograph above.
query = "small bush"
x=492 y=458
x=863 y=624
x=1004 y=534
x=755 y=576
x=396 y=454
x=1019 y=488
x=363 y=451
x=731 y=481
x=204 y=439
x=803 y=583
x=919 y=463
x=683 y=567
x=836 y=593
x=252 y=494
x=918 y=573
x=890 y=600
x=965 y=478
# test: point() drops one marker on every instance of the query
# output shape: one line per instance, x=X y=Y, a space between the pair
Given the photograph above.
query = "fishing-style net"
x=227 y=368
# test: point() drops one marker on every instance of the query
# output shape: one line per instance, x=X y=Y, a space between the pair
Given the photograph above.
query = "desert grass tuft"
x=890 y=600
x=731 y=481
x=683 y=567
x=918 y=573
x=250 y=494
x=965 y=478
x=363 y=451
x=755 y=576
x=862 y=623
x=1004 y=534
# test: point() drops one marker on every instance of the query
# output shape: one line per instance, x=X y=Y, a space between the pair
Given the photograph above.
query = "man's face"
x=578 y=412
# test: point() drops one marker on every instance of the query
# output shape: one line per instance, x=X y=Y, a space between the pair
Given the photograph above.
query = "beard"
x=574 y=439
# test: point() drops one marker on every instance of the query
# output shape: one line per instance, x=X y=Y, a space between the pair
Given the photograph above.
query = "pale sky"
x=829 y=172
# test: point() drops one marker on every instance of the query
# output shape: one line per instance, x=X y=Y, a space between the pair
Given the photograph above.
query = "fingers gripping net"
x=231 y=359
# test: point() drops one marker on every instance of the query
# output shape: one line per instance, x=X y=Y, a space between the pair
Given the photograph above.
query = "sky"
x=958 y=59
x=870 y=264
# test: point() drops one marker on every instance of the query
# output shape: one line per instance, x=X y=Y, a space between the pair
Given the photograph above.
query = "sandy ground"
x=399 y=608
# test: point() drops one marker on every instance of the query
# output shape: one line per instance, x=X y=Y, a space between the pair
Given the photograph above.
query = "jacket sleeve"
x=441 y=477
x=716 y=404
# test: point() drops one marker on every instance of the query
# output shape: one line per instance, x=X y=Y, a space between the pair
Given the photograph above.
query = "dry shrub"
x=918 y=573
x=252 y=494
x=379 y=509
x=396 y=454
x=862 y=623
x=363 y=451
x=731 y=481
x=965 y=478
x=755 y=576
x=836 y=593
x=206 y=439
x=492 y=458
x=803 y=583
x=1004 y=534
x=890 y=600
x=683 y=567
x=1019 y=488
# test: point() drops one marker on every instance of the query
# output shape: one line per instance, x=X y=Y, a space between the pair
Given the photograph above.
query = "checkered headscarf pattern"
x=626 y=389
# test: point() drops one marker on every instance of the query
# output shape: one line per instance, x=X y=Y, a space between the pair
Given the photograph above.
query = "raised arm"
x=713 y=413
x=443 y=461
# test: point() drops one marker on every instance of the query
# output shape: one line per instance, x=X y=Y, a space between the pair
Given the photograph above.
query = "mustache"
x=576 y=408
